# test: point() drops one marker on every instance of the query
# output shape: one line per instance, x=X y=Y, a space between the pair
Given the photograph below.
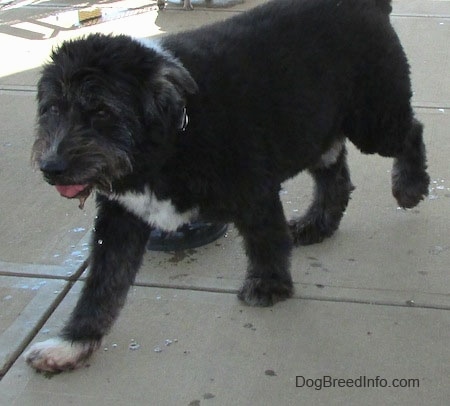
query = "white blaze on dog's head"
x=172 y=68
x=153 y=44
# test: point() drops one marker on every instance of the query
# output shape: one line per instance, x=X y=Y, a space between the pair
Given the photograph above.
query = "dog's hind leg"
x=410 y=180
x=331 y=195
x=268 y=246
x=117 y=249
x=381 y=120
x=400 y=137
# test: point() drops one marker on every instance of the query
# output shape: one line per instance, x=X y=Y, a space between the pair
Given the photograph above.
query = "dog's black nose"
x=54 y=166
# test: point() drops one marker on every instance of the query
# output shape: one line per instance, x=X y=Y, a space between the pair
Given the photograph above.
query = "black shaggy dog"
x=268 y=93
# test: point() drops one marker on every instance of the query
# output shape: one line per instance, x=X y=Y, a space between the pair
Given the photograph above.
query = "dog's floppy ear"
x=167 y=95
x=174 y=72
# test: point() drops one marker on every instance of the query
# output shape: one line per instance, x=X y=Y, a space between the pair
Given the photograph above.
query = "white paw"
x=57 y=354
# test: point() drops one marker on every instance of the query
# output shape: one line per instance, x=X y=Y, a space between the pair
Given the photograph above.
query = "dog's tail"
x=384 y=5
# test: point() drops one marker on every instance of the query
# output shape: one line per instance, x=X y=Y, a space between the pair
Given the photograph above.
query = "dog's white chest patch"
x=157 y=213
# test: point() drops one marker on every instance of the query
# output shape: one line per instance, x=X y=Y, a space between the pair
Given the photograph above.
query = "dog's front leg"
x=268 y=246
x=117 y=249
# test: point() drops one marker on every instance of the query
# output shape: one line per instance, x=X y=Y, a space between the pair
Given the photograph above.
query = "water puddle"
x=134 y=345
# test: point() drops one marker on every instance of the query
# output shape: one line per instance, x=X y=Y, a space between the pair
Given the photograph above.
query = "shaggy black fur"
x=269 y=93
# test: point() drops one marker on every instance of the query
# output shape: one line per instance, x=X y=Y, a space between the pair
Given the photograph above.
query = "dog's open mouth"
x=80 y=192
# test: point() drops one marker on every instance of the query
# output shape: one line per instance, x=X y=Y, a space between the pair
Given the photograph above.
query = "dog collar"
x=184 y=120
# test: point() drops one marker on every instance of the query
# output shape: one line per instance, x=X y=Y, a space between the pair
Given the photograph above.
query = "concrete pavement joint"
x=39 y=324
x=46 y=315
x=409 y=303
x=18 y=90
x=76 y=276
x=70 y=278
x=420 y=15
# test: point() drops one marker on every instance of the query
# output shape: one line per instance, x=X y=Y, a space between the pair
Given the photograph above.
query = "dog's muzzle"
x=56 y=167
x=53 y=167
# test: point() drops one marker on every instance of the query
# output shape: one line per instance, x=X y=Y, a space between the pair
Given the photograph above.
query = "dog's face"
x=105 y=105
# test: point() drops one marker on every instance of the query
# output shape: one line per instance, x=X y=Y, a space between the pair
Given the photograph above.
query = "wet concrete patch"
x=215 y=356
x=25 y=303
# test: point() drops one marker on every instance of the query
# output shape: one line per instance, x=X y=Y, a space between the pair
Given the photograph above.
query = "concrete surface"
x=372 y=301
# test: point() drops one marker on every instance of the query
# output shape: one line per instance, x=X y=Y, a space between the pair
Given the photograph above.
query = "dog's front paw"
x=57 y=354
x=265 y=292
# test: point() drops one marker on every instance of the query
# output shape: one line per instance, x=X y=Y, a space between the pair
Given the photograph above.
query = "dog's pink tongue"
x=70 y=191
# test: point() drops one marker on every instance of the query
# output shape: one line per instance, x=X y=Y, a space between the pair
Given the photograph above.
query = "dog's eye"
x=53 y=109
x=101 y=114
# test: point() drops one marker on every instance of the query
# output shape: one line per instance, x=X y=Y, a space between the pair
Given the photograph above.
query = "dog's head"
x=106 y=105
